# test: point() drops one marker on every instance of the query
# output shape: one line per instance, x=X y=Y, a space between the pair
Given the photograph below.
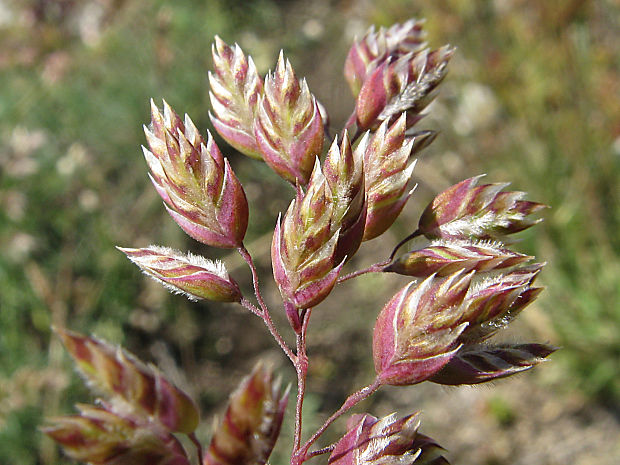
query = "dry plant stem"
x=264 y=310
x=196 y=442
x=301 y=366
x=302 y=454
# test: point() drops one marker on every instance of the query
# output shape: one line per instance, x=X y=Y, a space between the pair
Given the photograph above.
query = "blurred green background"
x=532 y=97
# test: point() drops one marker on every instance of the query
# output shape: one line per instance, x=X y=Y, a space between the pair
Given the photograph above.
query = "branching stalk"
x=264 y=310
x=301 y=367
x=354 y=399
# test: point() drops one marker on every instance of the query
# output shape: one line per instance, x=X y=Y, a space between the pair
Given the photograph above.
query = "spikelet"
x=417 y=331
x=102 y=437
x=387 y=173
x=132 y=387
x=192 y=275
x=289 y=125
x=303 y=251
x=446 y=257
x=201 y=192
x=468 y=211
x=344 y=172
x=482 y=363
x=403 y=85
x=386 y=441
x=377 y=46
x=236 y=88
x=251 y=424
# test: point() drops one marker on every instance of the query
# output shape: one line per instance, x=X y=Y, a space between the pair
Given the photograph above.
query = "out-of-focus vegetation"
x=532 y=98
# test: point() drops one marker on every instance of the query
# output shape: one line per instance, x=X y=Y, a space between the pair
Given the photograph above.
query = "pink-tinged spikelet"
x=201 y=192
x=377 y=46
x=344 y=171
x=100 y=436
x=131 y=386
x=492 y=302
x=417 y=331
x=192 y=275
x=236 y=88
x=289 y=125
x=251 y=424
x=386 y=441
x=446 y=257
x=304 y=247
x=468 y=211
x=401 y=85
x=387 y=174
x=481 y=363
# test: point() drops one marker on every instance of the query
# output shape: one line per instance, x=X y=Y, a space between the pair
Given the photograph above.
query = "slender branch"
x=248 y=259
x=263 y=312
x=324 y=450
x=413 y=235
x=194 y=439
x=302 y=371
x=376 y=268
x=251 y=307
x=351 y=401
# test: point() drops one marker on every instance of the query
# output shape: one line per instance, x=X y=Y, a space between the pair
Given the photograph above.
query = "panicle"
x=201 y=192
x=289 y=125
x=236 y=88
x=192 y=275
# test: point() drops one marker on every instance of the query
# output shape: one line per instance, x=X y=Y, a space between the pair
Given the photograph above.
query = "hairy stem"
x=324 y=450
x=245 y=303
x=248 y=259
x=264 y=310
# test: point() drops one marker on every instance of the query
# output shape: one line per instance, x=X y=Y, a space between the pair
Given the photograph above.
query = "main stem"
x=301 y=366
